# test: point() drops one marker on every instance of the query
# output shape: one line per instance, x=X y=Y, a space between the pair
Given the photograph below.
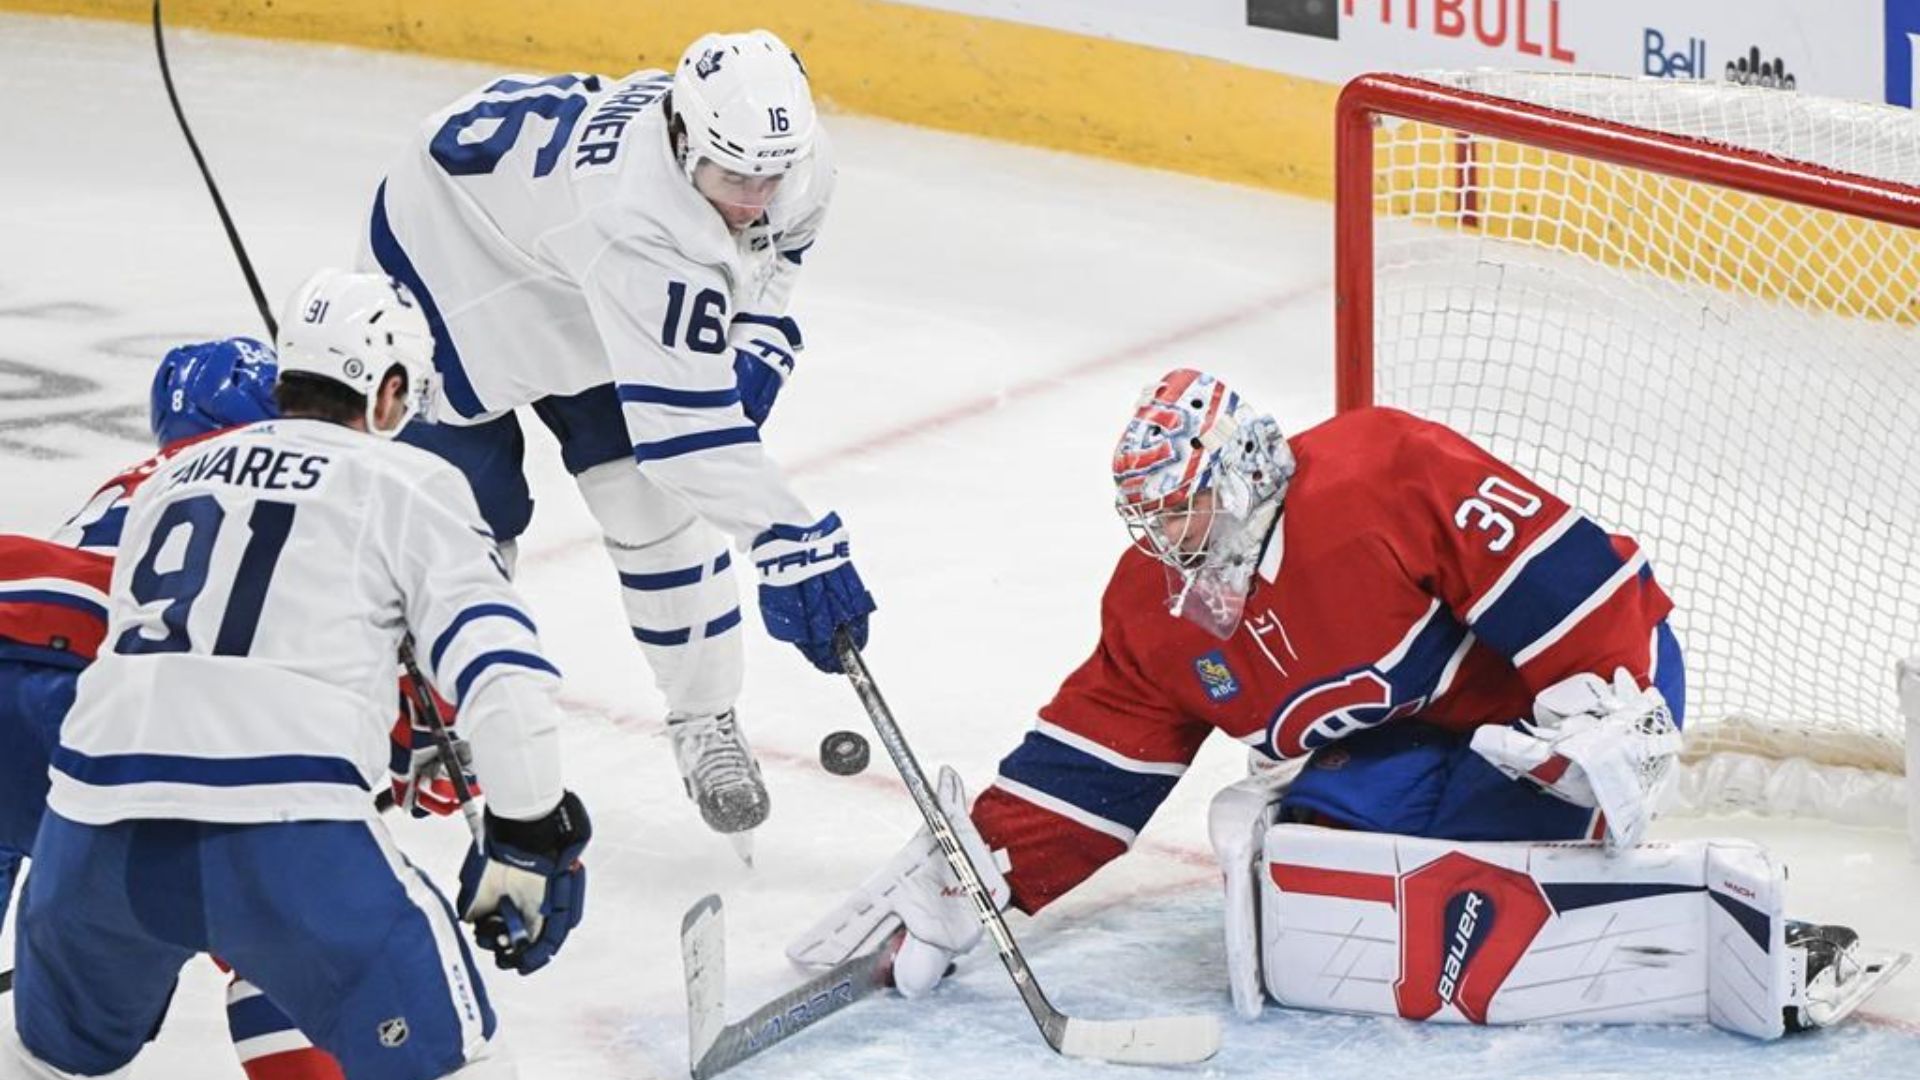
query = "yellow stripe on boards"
x=987 y=77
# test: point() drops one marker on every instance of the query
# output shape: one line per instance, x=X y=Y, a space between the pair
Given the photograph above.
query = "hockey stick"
x=1163 y=1040
x=713 y=1045
x=427 y=709
x=219 y=204
x=506 y=925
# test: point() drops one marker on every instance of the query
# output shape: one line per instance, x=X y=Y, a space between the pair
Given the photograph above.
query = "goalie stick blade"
x=1165 y=1040
x=713 y=1045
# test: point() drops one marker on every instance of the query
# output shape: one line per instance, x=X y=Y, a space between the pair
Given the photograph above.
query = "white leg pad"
x=1507 y=933
x=1237 y=821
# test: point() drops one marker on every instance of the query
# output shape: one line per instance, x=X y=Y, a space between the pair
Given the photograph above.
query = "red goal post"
x=1589 y=274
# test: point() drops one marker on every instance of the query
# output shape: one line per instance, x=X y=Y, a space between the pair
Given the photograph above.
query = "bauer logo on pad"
x=1216 y=677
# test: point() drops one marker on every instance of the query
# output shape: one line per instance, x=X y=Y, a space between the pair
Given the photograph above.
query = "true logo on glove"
x=803 y=558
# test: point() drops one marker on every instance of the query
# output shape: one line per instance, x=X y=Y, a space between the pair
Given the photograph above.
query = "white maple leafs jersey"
x=267 y=577
x=558 y=245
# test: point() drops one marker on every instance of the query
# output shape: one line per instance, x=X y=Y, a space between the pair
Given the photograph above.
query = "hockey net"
x=1690 y=309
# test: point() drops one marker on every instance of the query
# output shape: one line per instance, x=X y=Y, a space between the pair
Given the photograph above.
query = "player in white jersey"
x=228 y=739
x=619 y=254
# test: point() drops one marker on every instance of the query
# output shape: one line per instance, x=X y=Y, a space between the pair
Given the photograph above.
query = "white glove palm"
x=1595 y=744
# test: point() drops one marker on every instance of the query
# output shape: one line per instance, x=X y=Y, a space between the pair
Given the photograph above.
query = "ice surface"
x=979 y=318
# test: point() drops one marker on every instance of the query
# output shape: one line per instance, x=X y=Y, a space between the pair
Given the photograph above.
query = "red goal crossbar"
x=1369 y=97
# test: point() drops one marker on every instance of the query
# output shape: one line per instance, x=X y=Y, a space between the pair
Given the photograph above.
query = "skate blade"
x=742 y=846
x=1875 y=970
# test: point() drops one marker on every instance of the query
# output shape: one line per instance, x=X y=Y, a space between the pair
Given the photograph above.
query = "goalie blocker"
x=1511 y=933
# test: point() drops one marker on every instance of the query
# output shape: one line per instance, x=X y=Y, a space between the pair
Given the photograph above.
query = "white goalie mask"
x=1201 y=477
x=746 y=111
x=353 y=328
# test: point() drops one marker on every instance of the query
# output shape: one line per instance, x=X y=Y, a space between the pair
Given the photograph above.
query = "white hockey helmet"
x=353 y=328
x=744 y=102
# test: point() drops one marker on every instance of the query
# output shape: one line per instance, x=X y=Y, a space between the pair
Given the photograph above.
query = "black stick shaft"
x=219 y=204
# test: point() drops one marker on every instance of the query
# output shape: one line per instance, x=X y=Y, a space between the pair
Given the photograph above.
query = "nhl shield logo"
x=393 y=1032
x=1216 y=678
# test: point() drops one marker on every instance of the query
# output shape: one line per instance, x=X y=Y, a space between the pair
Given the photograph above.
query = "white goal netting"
x=1732 y=379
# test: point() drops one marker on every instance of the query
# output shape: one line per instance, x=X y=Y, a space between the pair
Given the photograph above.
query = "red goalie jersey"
x=1412 y=577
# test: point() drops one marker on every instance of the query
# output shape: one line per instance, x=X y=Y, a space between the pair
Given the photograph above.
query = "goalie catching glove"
x=525 y=890
x=919 y=890
x=1592 y=743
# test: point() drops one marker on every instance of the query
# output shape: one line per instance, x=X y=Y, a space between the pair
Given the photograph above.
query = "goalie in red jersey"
x=1455 y=653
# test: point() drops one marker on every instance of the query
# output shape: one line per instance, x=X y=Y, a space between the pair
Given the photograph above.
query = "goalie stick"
x=713 y=1045
x=1163 y=1040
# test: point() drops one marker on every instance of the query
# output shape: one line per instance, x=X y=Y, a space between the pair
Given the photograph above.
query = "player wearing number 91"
x=618 y=254
x=211 y=788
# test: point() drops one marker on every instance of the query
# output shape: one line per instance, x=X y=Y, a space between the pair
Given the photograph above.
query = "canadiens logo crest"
x=1216 y=678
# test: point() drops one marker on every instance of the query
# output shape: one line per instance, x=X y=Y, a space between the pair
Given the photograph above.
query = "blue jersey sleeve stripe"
x=640 y=394
x=250 y=1018
x=1550 y=587
x=1417 y=673
x=446 y=359
x=477 y=611
x=1081 y=780
x=725 y=560
x=115 y=770
x=694 y=443
x=497 y=658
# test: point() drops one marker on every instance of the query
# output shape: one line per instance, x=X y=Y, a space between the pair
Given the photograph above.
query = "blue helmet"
x=212 y=385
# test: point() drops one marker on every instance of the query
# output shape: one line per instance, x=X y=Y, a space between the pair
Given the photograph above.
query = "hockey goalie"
x=1462 y=696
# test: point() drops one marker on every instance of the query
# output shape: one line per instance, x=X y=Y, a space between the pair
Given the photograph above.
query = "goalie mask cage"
x=1689 y=309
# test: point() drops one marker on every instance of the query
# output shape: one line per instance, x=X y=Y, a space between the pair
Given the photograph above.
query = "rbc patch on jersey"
x=1216 y=677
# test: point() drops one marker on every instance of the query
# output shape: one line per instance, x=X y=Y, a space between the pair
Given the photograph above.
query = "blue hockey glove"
x=809 y=588
x=526 y=891
x=763 y=356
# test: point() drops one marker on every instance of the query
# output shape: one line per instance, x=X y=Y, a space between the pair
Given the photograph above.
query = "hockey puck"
x=844 y=753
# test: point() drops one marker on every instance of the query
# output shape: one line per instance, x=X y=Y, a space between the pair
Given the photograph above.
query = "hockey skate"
x=721 y=775
x=1836 y=974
